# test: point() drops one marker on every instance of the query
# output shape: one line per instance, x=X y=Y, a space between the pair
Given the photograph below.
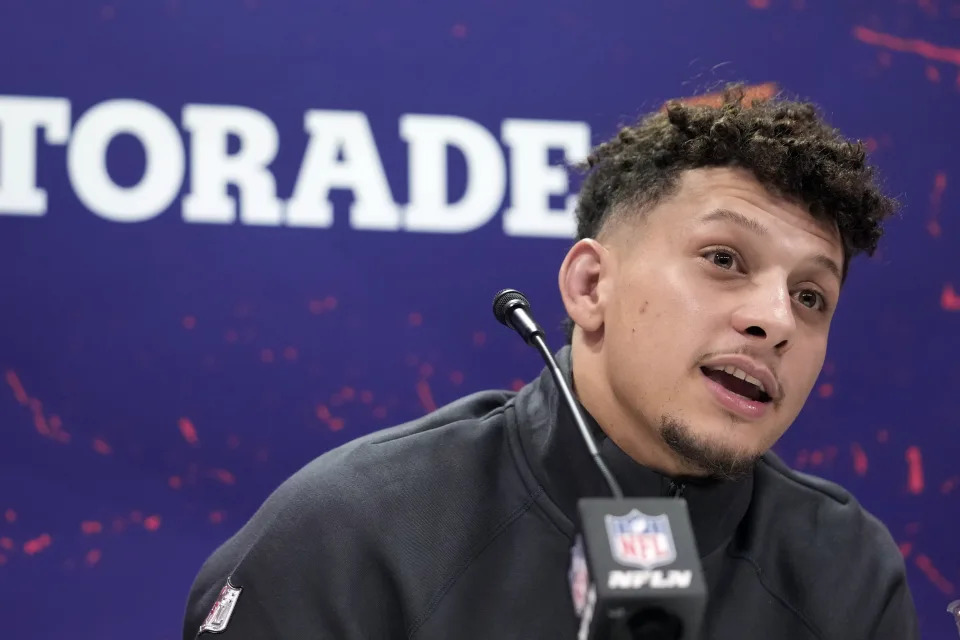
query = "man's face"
x=720 y=281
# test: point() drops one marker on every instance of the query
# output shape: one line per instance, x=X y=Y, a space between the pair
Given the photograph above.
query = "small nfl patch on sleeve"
x=222 y=609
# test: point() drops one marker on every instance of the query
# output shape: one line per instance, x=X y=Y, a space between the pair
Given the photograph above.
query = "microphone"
x=635 y=571
x=512 y=309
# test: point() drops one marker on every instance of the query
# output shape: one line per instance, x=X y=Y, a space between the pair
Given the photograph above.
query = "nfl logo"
x=639 y=540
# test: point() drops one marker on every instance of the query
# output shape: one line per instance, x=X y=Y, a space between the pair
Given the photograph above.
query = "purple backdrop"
x=166 y=364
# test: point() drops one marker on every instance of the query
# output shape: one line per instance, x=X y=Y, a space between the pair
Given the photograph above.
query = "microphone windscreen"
x=506 y=300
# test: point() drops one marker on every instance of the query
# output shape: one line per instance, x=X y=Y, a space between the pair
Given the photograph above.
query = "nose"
x=766 y=315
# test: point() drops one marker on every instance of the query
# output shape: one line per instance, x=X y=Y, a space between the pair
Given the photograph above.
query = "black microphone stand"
x=512 y=309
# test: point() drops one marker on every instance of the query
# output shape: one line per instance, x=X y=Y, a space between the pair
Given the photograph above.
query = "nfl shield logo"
x=639 y=540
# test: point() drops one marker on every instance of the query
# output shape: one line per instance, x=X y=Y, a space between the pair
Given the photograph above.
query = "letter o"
x=87 y=160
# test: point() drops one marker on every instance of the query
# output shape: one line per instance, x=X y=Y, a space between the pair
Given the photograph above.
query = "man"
x=713 y=243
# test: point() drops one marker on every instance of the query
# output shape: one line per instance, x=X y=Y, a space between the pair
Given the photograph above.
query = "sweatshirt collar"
x=562 y=465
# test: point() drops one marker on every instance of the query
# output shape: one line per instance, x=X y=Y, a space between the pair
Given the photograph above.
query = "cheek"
x=660 y=316
x=660 y=313
x=650 y=342
x=664 y=295
x=805 y=372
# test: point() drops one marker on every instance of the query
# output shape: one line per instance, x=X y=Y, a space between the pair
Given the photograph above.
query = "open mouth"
x=738 y=382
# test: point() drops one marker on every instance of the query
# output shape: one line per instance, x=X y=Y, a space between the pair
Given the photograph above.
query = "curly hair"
x=785 y=144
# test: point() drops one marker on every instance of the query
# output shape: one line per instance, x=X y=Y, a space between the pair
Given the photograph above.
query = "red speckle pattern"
x=92 y=557
x=90 y=527
x=187 y=430
x=38 y=544
x=908 y=45
x=861 y=463
x=915 y=479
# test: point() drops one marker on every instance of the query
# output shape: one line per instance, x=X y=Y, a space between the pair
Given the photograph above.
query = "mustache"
x=754 y=354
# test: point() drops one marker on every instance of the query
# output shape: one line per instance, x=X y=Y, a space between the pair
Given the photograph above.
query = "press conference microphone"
x=635 y=571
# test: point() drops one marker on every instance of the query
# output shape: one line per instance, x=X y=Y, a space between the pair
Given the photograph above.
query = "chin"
x=709 y=453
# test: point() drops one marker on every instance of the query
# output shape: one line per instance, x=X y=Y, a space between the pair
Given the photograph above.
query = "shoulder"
x=412 y=462
x=365 y=479
x=819 y=508
x=810 y=540
x=396 y=508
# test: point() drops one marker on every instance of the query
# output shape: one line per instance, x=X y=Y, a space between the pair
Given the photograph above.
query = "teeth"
x=755 y=382
x=743 y=375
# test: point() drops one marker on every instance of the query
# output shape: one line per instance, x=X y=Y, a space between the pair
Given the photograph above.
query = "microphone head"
x=505 y=300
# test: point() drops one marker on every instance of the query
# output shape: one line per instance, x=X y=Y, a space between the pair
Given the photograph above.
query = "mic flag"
x=635 y=572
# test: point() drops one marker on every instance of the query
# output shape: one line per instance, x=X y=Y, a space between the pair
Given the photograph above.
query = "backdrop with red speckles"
x=159 y=379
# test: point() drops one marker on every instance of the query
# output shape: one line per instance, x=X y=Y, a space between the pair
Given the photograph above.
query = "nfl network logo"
x=639 y=540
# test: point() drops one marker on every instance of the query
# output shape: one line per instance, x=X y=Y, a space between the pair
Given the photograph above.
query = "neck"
x=636 y=435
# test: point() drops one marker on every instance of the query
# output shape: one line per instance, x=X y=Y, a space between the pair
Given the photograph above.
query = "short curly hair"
x=784 y=143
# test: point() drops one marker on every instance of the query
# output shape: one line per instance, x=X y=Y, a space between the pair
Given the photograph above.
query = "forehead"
x=702 y=192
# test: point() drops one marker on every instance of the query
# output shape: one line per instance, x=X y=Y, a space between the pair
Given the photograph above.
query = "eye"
x=723 y=258
x=812 y=299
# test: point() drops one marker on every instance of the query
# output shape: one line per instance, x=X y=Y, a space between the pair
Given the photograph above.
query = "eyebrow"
x=755 y=227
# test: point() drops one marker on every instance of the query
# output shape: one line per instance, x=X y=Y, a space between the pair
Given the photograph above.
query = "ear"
x=582 y=279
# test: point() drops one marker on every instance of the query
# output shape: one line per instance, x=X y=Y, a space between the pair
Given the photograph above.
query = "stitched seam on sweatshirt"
x=801 y=483
x=401 y=436
x=756 y=568
x=550 y=517
x=459 y=571
x=524 y=469
x=883 y=610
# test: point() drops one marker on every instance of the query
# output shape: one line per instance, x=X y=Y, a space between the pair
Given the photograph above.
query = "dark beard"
x=714 y=461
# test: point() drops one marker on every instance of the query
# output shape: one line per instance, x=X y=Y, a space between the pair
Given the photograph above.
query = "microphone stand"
x=512 y=309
